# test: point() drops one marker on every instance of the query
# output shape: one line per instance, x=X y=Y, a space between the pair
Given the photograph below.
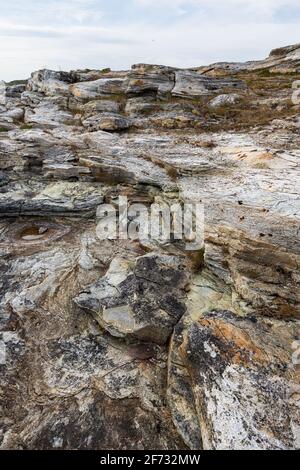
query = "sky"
x=71 y=34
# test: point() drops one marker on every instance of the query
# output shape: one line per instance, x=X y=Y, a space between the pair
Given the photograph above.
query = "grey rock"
x=77 y=199
x=140 y=105
x=192 y=84
x=226 y=99
x=114 y=122
x=100 y=88
x=10 y=92
x=219 y=350
x=101 y=106
x=31 y=99
x=150 y=78
x=49 y=115
x=12 y=115
x=2 y=92
x=144 y=301
x=280 y=60
x=51 y=82
x=107 y=122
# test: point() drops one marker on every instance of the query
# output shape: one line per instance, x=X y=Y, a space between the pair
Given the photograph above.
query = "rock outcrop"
x=144 y=302
x=142 y=343
x=284 y=60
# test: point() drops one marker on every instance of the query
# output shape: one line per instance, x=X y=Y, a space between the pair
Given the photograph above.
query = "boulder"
x=8 y=93
x=111 y=122
x=107 y=122
x=224 y=100
x=101 y=106
x=12 y=115
x=143 y=300
x=97 y=89
x=141 y=106
x=51 y=82
x=145 y=78
x=192 y=84
x=15 y=91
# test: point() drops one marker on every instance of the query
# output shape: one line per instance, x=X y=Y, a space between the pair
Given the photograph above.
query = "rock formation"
x=140 y=344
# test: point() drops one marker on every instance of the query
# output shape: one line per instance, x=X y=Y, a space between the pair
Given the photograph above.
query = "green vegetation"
x=17 y=82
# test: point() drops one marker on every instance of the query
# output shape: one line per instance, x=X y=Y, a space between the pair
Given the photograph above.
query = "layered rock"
x=281 y=60
x=144 y=302
x=123 y=343
x=244 y=385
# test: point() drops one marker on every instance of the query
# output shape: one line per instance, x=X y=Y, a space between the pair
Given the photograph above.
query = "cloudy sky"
x=68 y=34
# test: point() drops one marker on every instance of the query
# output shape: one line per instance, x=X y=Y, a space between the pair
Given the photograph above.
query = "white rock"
x=224 y=100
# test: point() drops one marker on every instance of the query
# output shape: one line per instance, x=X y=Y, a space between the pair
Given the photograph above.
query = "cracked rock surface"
x=128 y=344
x=145 y=301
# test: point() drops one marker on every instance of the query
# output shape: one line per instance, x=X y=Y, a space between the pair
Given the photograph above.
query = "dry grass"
x=245 y=114
x=253 y=110
x=205 y=144
x=261 y=166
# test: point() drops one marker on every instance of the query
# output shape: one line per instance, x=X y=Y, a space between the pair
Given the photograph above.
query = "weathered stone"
x=107 y=122
x=14 y=91
x=144 y=301
x=97 y=89
x=8 y=93
x=243 y=380
x=140 y=105
x=192 y=84
x=56 y=198
x=145 y=78
x=2 y=92
x=226 y=99
x=102 y=378
x=51 y=82
x=180 y=395
x=49 y=115
x=282 y=60
x=101 y=106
